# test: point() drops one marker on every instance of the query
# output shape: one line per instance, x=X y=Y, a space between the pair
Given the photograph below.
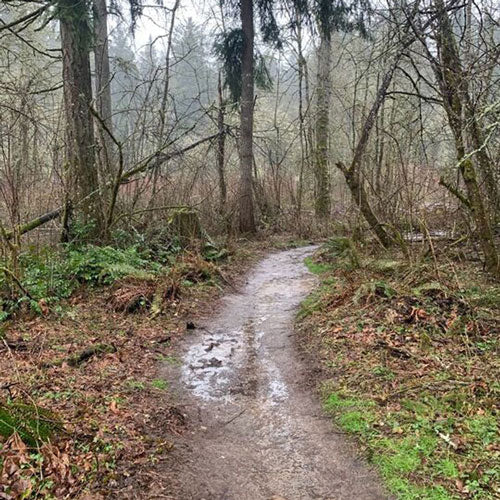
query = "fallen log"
x=87 y=353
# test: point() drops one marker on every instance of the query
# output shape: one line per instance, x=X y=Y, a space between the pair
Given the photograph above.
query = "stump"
x=186 y=226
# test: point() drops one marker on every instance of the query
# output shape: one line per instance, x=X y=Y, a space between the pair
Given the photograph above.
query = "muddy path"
x=257 y=431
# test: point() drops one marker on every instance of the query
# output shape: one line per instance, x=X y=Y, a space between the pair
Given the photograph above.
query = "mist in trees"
x=293 y=115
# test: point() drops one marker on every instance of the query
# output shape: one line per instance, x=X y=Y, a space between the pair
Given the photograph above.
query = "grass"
x=169 y=359
x=136 y=385
x=317 y=267
x=410 y=368
x=160 y=384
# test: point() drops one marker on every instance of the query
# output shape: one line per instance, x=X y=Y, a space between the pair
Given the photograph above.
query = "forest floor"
x=256 y=430
x=214 y=392
x=407 y=358
x=93 y=366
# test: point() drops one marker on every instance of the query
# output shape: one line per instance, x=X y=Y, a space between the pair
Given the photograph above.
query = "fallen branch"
x=395 y=351
x=235 y=417
x=7 y=386
x=85 y=355
x=29 y=226
x=16 y=280
x=15 y=345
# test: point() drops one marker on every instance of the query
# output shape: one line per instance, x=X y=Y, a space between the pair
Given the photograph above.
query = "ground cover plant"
x=409 y=363
x=84 y=409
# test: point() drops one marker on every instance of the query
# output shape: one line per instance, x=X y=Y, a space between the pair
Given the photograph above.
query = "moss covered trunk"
x=321 y=171
x=454 y=89
x=76 y=39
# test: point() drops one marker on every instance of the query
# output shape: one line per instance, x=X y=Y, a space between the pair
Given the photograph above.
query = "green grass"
x=135 y=385
x=355 y=421
x=446 y=467
x=160 y=384
x=484 y=428
x=309 y=305
x=317 y=267
x=171 y=360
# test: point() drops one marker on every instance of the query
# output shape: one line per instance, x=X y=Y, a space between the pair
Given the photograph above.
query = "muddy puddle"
x=257 y=428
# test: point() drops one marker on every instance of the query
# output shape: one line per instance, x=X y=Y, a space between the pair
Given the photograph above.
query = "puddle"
x=244 y=331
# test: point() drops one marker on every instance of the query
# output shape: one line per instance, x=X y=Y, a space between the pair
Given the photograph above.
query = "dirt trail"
x=258 y=430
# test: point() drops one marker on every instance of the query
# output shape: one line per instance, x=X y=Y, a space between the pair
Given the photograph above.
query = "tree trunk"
x=484 y=161
x=321 y=170
x=304 y=126
x=352 y=174
x=360 y=196
x=454 y=88
x=103 y=86
x=76 y=38
x=221 y=145
x=246 y=202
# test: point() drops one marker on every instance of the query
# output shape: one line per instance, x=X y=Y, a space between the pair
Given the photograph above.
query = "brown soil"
x=237 y=420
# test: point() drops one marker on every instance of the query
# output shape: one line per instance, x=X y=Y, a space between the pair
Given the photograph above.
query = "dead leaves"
x=427 y=361
x=15 y=474
x=57 y=469
x=21 y=466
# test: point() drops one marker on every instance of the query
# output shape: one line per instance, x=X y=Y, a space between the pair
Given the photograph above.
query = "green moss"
x=32 y=423
x=431 y=289
x=336 y=400
x=367 y=291
x=310 y=304
x=160 y=384
x=405 y=490
x=317 y=267
x=403 y=461
x=355 y=422
x=484 y=428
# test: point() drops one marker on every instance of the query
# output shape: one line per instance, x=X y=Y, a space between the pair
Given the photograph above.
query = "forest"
x=215 y=215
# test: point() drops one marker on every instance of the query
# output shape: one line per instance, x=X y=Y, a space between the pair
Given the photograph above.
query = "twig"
x=8 y=272
x=7 y=386
x=235 y=417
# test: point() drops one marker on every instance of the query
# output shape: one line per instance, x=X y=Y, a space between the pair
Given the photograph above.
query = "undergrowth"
x=409 y=356
x=67 y=378
x=49 y=275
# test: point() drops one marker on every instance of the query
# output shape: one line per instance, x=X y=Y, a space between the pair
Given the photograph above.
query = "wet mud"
x=257 y=430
